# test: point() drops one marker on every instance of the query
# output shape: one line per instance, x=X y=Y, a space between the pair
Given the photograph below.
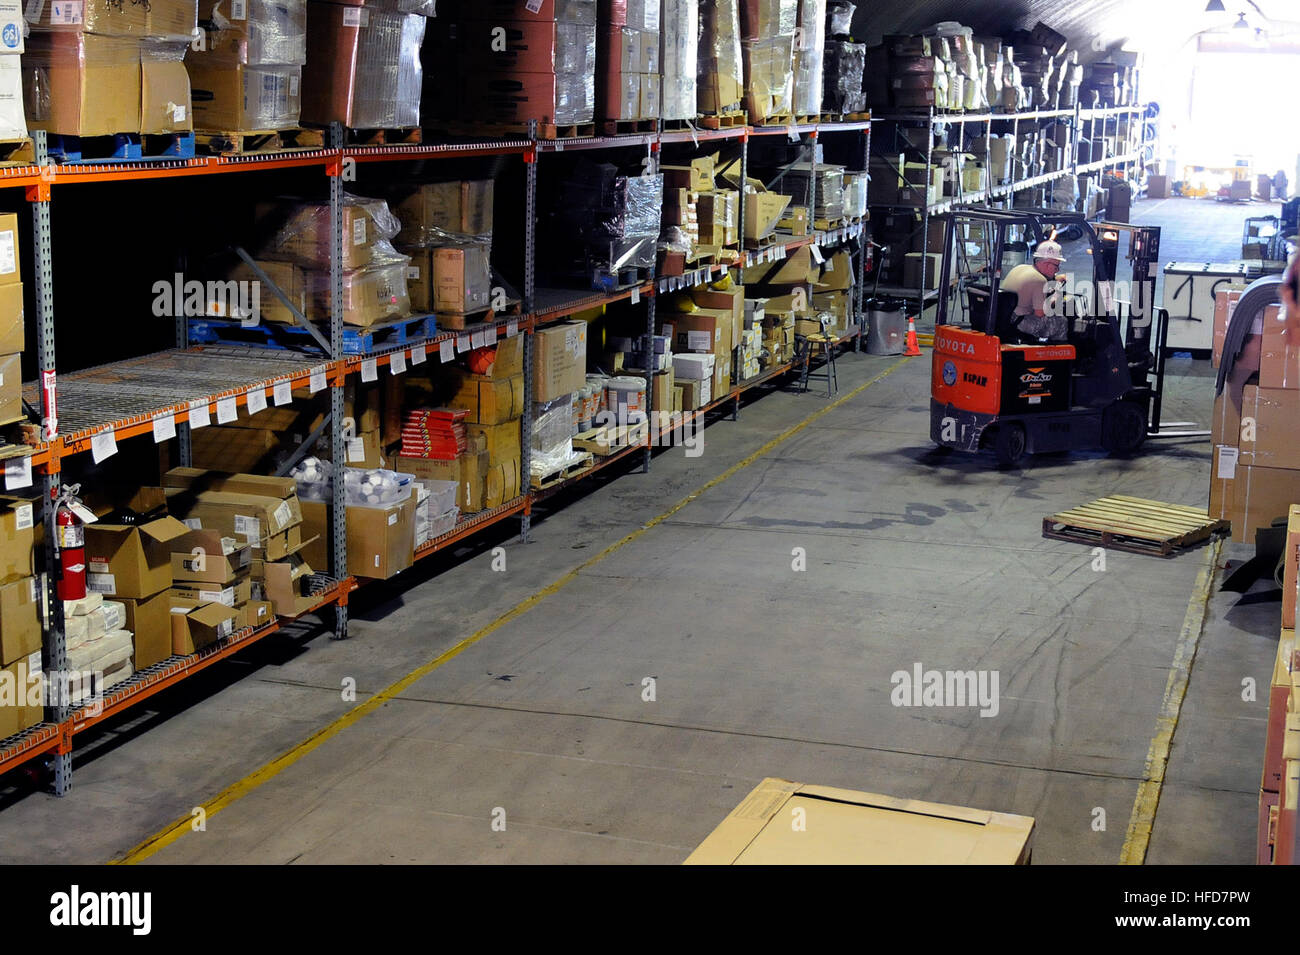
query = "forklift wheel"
x=1009 y=444
x=1123 y=428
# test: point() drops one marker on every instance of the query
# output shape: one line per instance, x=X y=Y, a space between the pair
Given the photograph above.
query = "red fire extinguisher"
x=72 y=546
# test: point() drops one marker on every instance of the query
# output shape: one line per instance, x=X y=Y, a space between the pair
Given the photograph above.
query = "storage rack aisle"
x=159 y=394
x=1092 y=125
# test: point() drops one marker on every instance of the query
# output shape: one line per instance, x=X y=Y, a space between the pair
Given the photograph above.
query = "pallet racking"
x=89 y=410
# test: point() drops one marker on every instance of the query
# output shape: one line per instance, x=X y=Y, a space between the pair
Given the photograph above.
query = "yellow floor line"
x=243 y=787
x=1147 y=801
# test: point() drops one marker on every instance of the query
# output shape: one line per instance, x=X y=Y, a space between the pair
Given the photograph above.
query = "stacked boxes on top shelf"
x=247 y=75
x=100 y=68
x=13 y=337
x=679 y=55
x=21 y=610
x=720 y=88
x=559 y=377
x=613 y=222
x=628 y=60
x=810 y=38
x=699 y=217
x=446 y=231
x=363 y=66
x=767 y=46
x=845 y=62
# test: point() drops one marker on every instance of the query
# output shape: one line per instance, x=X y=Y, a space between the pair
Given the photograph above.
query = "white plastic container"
x=625 y=397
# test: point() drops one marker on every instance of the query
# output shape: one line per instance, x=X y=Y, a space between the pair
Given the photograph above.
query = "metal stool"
x=827 y=344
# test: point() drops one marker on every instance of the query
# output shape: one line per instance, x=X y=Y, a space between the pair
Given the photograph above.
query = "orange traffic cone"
x=913 y=349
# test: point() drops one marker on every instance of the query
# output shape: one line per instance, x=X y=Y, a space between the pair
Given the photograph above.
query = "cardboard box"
x=502 y=483
x=1279 y=363
x=509 y=358
x=149 y=620
x=1158 y=187
x=11 y=388
x=1276 y=415
x=1260 y=495
x=20 y=618
x=501 y=440
x=82 y=84
x=194 y=629
x=704 y=330
x=374 y=294
x=1290 y=562
x=288 y=277
x=13 y=120
x=17 y=539
x=559 y=360
x=255 y=613
x=164 y=95
x=837 y=274
x=490 y=401
x=257 y=520
x=1278 y=696
x=697 y=176
x=12 y=336
x=922 y=269
x=10 y=264
x=1268 y=808
x=20 y=713
x=462 y=277
x=132 y=560
x=620 y=95
x=300 y=233
x=419 y=279
x=460 y=207
x=696 y=394
x=469 y=470
x=381 y=540
x=1225 y=303
x=230 y=97
x=281 y=582
x=855 y=828
x=762 y=212
x=651 y=104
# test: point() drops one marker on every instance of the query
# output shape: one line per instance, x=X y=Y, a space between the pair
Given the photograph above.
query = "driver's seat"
x=1004 y=318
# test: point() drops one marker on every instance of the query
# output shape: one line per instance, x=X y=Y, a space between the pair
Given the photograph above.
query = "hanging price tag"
x=512 y=329
x=18 y=473
x=317 y=382
x=164 y=428
x=103 y=445
x=816 y=254
x=636 y=294
x=256 y=398
x=227 y=410
x=282 y=393
x=490 y=335
x=462 y=343
x=477 y=340
x=446 y=349
x=418 y=355
x=200 y=416
x=397 y=363
x=369 y=370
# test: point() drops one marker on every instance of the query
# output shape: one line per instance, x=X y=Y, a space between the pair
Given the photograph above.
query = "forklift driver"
x=1032 y=286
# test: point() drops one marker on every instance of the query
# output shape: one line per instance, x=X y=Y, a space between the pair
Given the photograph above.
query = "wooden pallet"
x=545 y=131
x=724 y=120
x=467 y=321
x=399 y=136
x=1134 y=524
x=845 y=117
x=624 y=127
x=541 y=482
x=610 y=439
x=768 y=240
x=777 y=119
x=249 y=141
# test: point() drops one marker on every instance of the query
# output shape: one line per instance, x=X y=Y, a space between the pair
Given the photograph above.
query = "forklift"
x=994 y=387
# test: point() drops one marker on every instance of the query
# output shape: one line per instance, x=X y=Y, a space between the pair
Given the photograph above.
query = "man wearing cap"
x=1033 y=284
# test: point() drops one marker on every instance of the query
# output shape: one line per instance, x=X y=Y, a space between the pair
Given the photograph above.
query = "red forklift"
x=1098 y=386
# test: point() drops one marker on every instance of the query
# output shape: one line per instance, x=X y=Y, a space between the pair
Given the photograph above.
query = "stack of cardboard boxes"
x=246 y=70
x=129 y=559
x=559 y=376
x=257 y=443
x=721 y=75
x=363 y=66
x=446 y=231
x=1255 y=473
x=21 y=603
x=12 y=334
x=627 y=60
x=249 y=531
x=707 y=215
x=99 y=67
x=712 y=326
x=768 y=29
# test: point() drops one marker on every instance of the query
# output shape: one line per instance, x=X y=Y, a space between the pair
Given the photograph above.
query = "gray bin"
x=886 y=326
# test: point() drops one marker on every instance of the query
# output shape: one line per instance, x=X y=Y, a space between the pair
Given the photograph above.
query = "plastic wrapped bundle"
x=721 y=76
x=643 y=206
x=680 y=48
x=255 y=32
x=839 y=17
x=842 y=78
x=300 y=232
x=810 y=38
x=363 y=67
x=375 y=487
x=767 y=46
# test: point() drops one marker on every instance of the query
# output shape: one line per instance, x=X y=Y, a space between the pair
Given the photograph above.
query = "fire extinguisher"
x=72 y=545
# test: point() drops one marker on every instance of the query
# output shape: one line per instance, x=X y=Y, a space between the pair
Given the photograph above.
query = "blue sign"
x=949 y=374
x=10 y=35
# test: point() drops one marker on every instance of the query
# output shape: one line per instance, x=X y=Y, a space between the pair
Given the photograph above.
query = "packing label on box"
x=1227 y=462
x=359 y=223
x=224 y=596
x=249 y=527
x=283 y=514
x=696 y=340
x=239 y=9
x=101 y=583
x=8 y=255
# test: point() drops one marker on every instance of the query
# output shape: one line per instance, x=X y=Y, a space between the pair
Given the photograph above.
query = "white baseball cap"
x=1049 y=250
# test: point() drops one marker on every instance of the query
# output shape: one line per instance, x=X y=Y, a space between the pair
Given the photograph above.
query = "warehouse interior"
x=600 y=431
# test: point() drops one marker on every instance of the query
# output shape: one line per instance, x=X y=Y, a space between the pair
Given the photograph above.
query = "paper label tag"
x=18 y=473
x=356 y=450
x=199 y=415
x=446 y=349
x=533 y=6
x=490 y=335
x=462 y=343
x=282 y=393
x=178 y=114
x=283 y=514
x=317 y=380
x=1227 y=463
x=227 y=410
x=369 y=370
x=476 y=339
x=22 y=517
x=101 y=583
x=636 y=294
x=226 y=596
x=512 y=329
x=397 y=363
x=698 y=341
x=193 y=523
x=392 y=519
x=249 y=527
x=164 y=428
x=103 y=445
x=256 y=398
x=418 y=355
x=66 y=12
x=239 y=9
x=359 y=224
x=816 y=254
x=352 y=16
x=412 y=273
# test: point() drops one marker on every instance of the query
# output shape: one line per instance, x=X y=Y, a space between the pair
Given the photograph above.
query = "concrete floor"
x=759 y=670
